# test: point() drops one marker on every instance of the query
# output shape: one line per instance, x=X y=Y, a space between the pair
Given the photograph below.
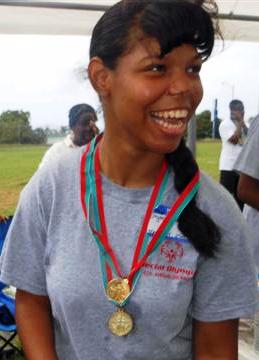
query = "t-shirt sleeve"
x=226 y=130
x=23 y=256
x=52 y=153
x=225 y=286
x=247 y=162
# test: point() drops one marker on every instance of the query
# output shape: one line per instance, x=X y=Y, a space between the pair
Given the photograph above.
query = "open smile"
x=170 y=120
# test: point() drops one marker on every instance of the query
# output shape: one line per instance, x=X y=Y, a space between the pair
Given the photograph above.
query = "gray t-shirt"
x=49 y=251
x=248 y=163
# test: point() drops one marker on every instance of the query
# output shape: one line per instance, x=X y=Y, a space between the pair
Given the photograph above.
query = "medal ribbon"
x=91 y=189
x=104 y=238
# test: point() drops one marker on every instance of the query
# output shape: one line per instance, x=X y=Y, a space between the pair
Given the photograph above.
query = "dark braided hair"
x=193 y=223
x=172 y=23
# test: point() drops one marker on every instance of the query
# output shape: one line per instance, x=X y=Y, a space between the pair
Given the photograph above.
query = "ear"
x=99 y=76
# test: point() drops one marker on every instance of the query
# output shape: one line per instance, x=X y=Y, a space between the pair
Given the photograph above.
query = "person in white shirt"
x=82 y=119
x=232 y=132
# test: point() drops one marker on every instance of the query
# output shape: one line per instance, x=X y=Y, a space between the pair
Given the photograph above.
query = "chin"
x=161 y=148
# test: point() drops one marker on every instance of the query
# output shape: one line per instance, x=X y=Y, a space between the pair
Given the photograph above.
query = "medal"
x=120 y=323
x=118 y=290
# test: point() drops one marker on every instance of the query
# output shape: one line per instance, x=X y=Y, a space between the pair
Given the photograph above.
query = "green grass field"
x=19 y=162
x=208 y=157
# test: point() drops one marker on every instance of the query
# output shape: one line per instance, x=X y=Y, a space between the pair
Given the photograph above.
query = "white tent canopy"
x=239 y=18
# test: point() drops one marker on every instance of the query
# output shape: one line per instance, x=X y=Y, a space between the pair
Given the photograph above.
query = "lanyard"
x=93 y=208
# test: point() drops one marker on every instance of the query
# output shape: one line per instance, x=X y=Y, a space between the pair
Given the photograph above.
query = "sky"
x=43 y=75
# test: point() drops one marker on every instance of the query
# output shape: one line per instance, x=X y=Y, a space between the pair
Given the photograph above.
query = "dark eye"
x=158 y=68
x=194 y=69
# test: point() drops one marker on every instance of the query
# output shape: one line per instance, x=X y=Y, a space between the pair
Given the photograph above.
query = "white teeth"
x=168 y=125
x=170 y=120
x=173 y=114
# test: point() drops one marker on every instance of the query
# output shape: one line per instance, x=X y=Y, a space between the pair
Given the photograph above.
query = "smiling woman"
x=148 y=106
x=122 y=238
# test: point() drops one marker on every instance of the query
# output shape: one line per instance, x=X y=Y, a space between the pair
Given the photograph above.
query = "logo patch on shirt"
x=171 y=250
x=175 y=258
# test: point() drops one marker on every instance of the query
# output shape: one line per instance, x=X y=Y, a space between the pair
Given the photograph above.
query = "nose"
x=179 y=83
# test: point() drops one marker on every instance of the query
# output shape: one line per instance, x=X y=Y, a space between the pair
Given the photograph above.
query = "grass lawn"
x=208 y=157
x=19 y=162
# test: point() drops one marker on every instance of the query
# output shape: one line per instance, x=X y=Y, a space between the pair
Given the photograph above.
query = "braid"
x=193 y=223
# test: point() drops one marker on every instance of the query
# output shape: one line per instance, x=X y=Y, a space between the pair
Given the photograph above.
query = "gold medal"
x=118 y=290
x=120 y=323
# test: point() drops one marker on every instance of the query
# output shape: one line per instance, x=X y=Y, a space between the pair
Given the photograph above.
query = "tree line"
x=15 y=128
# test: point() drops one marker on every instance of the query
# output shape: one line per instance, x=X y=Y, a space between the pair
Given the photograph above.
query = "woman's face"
x=151 y=100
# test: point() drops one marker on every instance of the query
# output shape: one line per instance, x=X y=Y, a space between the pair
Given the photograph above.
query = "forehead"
x=149 y=45
x=85 y=118
x=86 y=115
x=238 y=107
x=148 y=48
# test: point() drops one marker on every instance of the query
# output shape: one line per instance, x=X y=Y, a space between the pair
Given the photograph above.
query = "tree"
x=15 y=128
x=204 y=125
x=39 y=136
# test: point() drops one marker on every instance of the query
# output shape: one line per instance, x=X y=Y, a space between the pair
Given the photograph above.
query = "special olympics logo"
x=171 y=250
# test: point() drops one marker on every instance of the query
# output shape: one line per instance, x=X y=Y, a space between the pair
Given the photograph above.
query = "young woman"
x=123 y=250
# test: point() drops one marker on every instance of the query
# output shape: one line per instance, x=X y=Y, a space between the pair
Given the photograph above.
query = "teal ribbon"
x=169 y=226
x=91 y=195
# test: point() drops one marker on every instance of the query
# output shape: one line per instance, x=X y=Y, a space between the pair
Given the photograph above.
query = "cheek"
x=197 y=93
x=150 y=92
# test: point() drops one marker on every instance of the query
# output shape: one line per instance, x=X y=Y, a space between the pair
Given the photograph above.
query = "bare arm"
x=248 y=190
x=215 y=340
x=33 y=318
x=240 y=125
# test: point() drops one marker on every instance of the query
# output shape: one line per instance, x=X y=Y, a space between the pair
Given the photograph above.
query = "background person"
x=73 y=301
x=82 y=123
x=247 y=165
x=232 y=132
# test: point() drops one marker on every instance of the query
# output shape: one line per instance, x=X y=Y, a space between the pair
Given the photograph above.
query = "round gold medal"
x=120 y=323
x=118 y=290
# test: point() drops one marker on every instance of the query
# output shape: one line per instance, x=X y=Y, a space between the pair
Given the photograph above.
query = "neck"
x=129 y=167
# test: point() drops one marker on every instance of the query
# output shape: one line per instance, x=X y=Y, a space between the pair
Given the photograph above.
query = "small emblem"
x=171 y=250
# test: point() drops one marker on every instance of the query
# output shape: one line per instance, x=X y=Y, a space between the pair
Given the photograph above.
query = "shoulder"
x=211 y=189
x=67 y=163
x=56 y=176
x=218 y=203
x=57 y=145
x=52 y=153
x=254 y=128
x=247 y=161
